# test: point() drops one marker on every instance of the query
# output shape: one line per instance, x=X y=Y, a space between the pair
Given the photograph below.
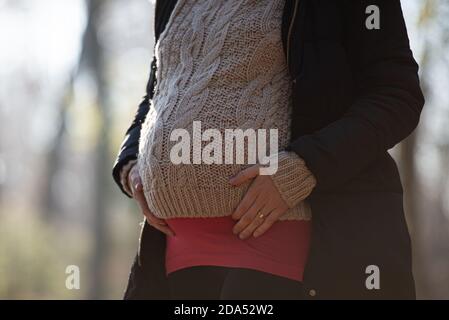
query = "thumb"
x=136 y=182
x=245 y=175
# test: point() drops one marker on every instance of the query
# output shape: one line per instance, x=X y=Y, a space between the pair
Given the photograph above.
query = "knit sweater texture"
x=220 y=62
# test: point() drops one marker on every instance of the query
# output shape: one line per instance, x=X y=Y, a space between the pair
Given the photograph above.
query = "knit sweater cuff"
x=124 y=176
x=293 y=179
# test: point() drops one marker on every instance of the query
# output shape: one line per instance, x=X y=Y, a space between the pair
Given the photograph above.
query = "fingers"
x=248 y=217
x=164 y=229
x=257 y=221
x=262 y=198
x=245 y=175
x=139 y=196
x=152 y=220
x=267 y=223
x=247 y=201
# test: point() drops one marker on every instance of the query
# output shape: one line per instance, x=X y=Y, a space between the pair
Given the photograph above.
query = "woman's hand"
x=261 y=206
x=137 y=192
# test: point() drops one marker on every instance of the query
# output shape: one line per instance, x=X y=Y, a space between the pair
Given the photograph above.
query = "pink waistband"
x=281 y=251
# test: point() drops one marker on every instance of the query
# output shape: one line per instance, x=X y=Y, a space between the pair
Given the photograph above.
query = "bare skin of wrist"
x=136 y=187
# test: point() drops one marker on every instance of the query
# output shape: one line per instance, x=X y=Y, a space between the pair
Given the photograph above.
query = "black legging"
x=214 y=282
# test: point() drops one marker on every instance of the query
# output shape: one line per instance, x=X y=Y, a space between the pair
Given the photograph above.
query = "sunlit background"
x=72 y=73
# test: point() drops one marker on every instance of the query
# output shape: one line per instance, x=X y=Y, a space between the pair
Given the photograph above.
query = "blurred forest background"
x=72 y=73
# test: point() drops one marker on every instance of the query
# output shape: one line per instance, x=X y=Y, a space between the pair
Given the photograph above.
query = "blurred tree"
x=92 y=61
x=92 y=65
x=426 y=210
x=411 y=182
x=54 y=156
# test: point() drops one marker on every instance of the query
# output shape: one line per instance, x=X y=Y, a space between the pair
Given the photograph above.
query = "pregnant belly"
x=190 y=191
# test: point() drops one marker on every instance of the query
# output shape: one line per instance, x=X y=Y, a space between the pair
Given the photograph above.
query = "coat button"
x=312 y=293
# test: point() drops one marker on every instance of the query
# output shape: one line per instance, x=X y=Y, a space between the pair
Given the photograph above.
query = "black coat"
x=356 y=94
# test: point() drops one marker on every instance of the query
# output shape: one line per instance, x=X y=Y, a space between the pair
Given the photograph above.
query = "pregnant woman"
x=338 y=93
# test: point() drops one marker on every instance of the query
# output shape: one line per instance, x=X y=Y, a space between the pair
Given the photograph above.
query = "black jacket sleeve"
x=130 y=145
x=388 y=99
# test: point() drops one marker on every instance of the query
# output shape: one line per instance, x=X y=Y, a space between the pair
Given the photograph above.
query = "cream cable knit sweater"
x=220 y=62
